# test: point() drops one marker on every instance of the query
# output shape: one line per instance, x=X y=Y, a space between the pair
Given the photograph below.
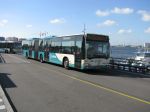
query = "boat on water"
x=141 y=56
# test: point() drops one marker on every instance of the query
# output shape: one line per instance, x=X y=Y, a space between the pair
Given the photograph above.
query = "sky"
x=124 y=21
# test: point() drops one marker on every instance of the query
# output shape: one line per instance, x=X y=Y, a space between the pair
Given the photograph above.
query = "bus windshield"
x=97 y=49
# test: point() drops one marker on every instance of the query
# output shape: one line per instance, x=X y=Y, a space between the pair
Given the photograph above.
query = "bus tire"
x=41 y=59
x=66 y=63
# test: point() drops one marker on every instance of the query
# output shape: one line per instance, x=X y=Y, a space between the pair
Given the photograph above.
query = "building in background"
x=12 y=39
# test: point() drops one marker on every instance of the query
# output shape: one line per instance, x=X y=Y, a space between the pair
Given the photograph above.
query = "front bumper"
x=100 y=67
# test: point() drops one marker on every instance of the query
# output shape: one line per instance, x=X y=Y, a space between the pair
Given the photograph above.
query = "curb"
x=5 y=100
x=2 y=94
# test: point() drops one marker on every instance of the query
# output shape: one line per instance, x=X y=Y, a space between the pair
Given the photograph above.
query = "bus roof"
x=83 y=35
x=89 y=36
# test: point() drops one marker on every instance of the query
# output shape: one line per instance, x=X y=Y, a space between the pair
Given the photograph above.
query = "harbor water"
x=123 y=52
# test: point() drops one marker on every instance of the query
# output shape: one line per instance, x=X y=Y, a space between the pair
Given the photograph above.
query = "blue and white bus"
x=85 y=51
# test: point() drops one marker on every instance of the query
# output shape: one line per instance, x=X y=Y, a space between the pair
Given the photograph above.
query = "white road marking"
x=19 y=59
x=2 y=107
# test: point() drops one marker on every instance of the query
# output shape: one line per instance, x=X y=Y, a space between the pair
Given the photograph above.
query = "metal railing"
x=130 y=65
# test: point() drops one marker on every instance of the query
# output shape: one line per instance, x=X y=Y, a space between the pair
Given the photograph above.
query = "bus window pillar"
x=85 y=46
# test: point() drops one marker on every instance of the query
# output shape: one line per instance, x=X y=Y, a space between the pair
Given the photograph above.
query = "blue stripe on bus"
x=71 y=65
x=54 y=59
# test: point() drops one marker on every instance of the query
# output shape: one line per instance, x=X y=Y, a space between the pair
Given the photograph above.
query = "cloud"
x=57 y=21
x=147 y=30
x=102 y=13
x=29 y=26
x=141 y=11
x=145 y=15
x=124 y=31
x=107 y=23
x=117 y=10
x=3 y=22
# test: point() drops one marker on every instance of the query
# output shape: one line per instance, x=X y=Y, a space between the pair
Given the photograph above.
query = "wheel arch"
x=65 y=57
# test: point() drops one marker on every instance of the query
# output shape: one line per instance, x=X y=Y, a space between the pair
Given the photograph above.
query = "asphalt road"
x=32 y=86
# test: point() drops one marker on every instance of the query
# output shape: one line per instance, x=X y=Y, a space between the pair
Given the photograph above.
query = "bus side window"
x=78 y=47
x=41 y=45
x=67 y=47
x=49 y=45
x=53 y=46
x=58 y=46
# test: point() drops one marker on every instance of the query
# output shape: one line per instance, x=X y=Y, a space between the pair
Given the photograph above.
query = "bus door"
x=46 y=55
x=36 y=55
x=30 y=53
x=36 y=48
x=78 y=54
x=46 y=50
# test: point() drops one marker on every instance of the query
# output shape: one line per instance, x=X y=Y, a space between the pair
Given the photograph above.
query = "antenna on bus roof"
x=84 y=29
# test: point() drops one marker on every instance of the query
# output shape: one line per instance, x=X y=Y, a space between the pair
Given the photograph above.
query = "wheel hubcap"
x=66 y=64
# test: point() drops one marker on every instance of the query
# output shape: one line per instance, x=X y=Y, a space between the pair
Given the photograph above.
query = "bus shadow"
x=6 y=82
x=109 y=72
x=115 y=73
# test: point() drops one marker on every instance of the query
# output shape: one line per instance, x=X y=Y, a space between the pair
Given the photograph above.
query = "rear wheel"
x=66 y=63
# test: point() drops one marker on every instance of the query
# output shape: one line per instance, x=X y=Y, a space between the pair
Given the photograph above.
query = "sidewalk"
x=4 y=103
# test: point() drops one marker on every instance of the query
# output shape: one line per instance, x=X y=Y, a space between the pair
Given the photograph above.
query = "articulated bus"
x=10 y=46
x=85 y=51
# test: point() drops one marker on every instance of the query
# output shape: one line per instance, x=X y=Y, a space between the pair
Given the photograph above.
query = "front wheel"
x=66 y=63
